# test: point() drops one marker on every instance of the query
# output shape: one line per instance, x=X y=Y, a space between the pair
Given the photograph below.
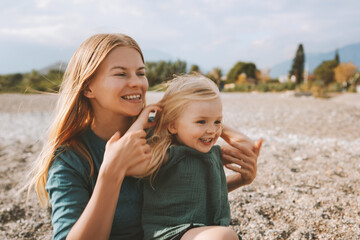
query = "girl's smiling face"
x=119 y=84
x=200 y=125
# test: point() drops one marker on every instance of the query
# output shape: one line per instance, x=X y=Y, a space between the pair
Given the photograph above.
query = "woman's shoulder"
x=67 y=159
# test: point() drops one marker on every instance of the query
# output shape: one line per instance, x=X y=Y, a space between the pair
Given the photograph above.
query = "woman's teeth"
x=132 y=97
x=206 y=140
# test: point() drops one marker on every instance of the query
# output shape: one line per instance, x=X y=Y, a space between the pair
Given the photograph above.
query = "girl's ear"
x=172 y=128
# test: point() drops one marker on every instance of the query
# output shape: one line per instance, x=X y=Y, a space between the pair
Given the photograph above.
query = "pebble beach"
x=308 y=179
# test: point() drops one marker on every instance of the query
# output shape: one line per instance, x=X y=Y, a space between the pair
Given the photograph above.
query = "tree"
x=194 y=68
x=10 y=82
x=178 y=67
x=242 y=67
x=158 y=72
x=337 y=57
x=263 y=75
x=344 y=71
x=325 y=71
x=216 y=75
x=297 y=68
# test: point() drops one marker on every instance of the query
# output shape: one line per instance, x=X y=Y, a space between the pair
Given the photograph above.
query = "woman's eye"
x=120 y=74
x=217 y=122
x=141 y=74
x=201 y=122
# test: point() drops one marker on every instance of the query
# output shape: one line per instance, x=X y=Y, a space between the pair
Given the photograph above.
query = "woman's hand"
x=240 y=156
x=142 y=122
x=123 y=153
x=130 y=153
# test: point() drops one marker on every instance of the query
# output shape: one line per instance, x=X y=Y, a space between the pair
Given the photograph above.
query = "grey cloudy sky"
x=206 y=32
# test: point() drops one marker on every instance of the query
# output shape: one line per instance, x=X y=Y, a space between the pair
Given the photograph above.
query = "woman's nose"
x=135 y=81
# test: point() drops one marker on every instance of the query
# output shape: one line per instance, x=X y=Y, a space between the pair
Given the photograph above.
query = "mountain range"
x=40 y=55
x=349 y=53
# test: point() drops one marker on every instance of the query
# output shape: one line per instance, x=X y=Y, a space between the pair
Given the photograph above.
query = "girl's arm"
x=240 y=156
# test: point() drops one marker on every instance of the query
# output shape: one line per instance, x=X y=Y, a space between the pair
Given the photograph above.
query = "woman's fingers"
x=245 y=163
x=238 y=150
x=142 y=122
x=258 y=145
x=115 y=137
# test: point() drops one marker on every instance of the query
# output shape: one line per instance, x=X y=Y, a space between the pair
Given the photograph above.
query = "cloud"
x=207 y=31
x=42 y=4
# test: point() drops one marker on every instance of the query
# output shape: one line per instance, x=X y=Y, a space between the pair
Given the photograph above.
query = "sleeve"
x=68 y=190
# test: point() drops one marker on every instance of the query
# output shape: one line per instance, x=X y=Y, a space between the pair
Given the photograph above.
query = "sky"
x=209 y=33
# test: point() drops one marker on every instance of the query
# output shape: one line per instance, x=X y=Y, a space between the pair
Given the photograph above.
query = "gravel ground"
x=308 y=182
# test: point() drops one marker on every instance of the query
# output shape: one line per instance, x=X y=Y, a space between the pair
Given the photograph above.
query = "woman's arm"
x=240 y=156
x=96 y=220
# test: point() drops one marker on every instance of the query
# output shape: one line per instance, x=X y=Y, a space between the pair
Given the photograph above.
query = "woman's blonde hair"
x=181 y=92
x=74 y=113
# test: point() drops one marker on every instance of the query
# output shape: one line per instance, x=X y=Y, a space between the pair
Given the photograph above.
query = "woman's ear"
x=88 y=93
x=172 y=128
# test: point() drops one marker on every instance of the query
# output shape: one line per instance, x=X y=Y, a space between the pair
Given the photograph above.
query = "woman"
x=85 y=167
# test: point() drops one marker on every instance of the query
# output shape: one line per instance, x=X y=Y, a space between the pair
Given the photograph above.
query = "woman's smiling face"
x=119 y=84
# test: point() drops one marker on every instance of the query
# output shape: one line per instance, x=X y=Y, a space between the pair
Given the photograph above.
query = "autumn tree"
x=215 y=75
x=263 y=75
x=344 y=71
x=297 y=68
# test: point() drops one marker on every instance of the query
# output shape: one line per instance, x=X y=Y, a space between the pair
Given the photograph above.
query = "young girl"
x=187 y=187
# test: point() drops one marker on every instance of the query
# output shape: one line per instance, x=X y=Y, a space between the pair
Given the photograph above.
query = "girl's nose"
x=212 y=129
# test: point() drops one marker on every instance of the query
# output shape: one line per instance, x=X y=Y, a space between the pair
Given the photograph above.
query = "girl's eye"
x=120 y=74
x=201 y=122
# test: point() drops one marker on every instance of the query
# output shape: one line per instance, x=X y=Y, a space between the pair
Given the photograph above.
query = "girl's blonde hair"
x=74 y=113
x=181 y=92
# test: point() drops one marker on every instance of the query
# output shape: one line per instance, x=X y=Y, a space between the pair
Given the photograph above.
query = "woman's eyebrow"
x=142 y=68
x=124 y=68
x=118 y=67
